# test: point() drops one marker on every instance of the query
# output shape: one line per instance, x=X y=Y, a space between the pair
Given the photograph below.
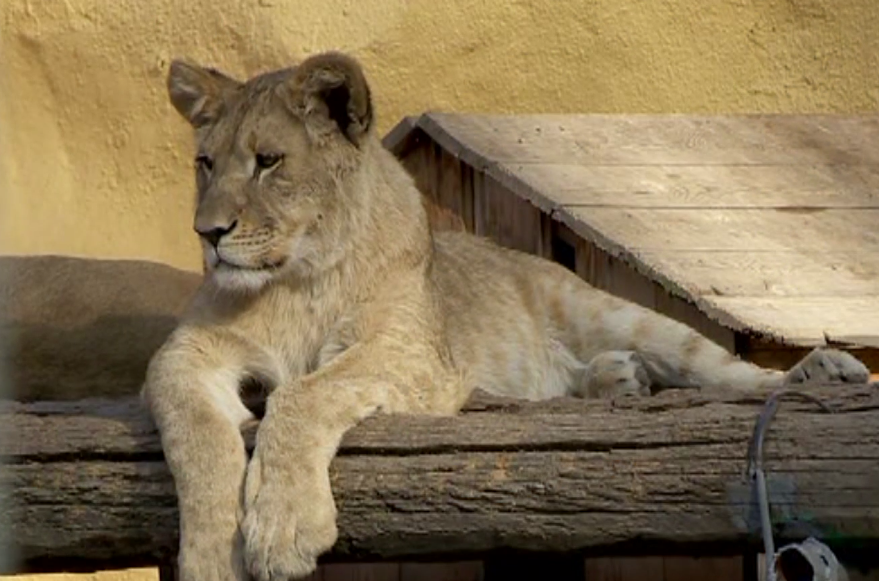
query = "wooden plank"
x=640 y=140
x=710 y=229
x=681 y=568
x=85 y=481
x=648 y=568
x=802 y=320
x=608 y=273
x=703 y=186
x=507 y=219
x=686 y=312
x=358 y=572
x=471 y=181
x=639 y=236
x=461 y=571
x=400 y=139
x=669 y=568
x=419 y=163
x=449 y=192
x=793 y=273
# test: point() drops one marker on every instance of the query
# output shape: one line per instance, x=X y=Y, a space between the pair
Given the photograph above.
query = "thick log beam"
x=85 y=483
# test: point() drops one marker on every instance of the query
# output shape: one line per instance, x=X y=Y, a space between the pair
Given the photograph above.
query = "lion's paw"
x=828 y=366
x=287 y=523
x=614 y=374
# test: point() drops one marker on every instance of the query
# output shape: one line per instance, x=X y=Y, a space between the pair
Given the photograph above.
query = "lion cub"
x=325 y=285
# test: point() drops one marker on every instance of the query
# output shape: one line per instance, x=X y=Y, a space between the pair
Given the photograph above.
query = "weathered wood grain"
x=786 y=203
x=85 y=481
x=638 y=140
x=746 y=230
x=806 y=319
x=772 y=273
x=705 y=186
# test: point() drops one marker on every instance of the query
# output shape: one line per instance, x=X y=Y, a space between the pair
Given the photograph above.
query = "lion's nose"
x=213 y=233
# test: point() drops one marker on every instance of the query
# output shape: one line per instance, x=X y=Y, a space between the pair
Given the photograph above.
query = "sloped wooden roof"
x=769 y=224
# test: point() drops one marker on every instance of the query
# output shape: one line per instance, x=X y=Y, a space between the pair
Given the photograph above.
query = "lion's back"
x=501 y=317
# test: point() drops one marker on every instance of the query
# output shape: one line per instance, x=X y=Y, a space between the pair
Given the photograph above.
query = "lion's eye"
x=205 y=162
x=268 y=160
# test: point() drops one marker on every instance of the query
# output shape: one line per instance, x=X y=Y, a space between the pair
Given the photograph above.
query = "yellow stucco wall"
x=94 y=160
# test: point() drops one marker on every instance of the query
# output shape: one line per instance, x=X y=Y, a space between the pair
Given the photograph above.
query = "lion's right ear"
x=331 y=91
x=198 y=93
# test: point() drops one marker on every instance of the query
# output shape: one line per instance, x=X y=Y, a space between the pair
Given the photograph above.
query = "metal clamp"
x=755 y=472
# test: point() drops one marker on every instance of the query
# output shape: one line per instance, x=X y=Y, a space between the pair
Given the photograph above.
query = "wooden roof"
x=769 y=224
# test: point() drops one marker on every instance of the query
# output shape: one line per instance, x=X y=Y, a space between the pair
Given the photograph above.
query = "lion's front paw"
x=289 y=521
x=828 y=366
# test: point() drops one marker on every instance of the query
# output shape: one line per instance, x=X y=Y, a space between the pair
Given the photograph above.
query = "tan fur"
x=327 y=286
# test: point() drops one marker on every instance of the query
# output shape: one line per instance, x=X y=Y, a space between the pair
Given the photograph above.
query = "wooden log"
x=85 y=483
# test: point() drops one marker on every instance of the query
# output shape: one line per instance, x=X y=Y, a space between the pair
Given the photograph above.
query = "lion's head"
x=273 y=156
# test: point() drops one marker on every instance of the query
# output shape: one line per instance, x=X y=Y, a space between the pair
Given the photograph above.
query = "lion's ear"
x=331 y=93
x=198 y=93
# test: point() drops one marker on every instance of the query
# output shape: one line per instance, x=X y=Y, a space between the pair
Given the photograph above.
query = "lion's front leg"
x=290 y=515
x=194 y=400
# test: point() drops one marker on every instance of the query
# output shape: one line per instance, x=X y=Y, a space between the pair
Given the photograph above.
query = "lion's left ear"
x=331 y=92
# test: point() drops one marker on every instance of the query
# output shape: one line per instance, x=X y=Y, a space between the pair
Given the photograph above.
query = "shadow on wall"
x=77 y=328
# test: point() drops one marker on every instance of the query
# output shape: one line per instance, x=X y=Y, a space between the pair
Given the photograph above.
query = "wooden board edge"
x=400 y=139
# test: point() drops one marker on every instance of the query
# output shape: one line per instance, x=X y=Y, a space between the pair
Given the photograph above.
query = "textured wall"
x=94 y=160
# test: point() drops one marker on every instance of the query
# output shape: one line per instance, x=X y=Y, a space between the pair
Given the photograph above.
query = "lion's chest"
x=302 y=333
